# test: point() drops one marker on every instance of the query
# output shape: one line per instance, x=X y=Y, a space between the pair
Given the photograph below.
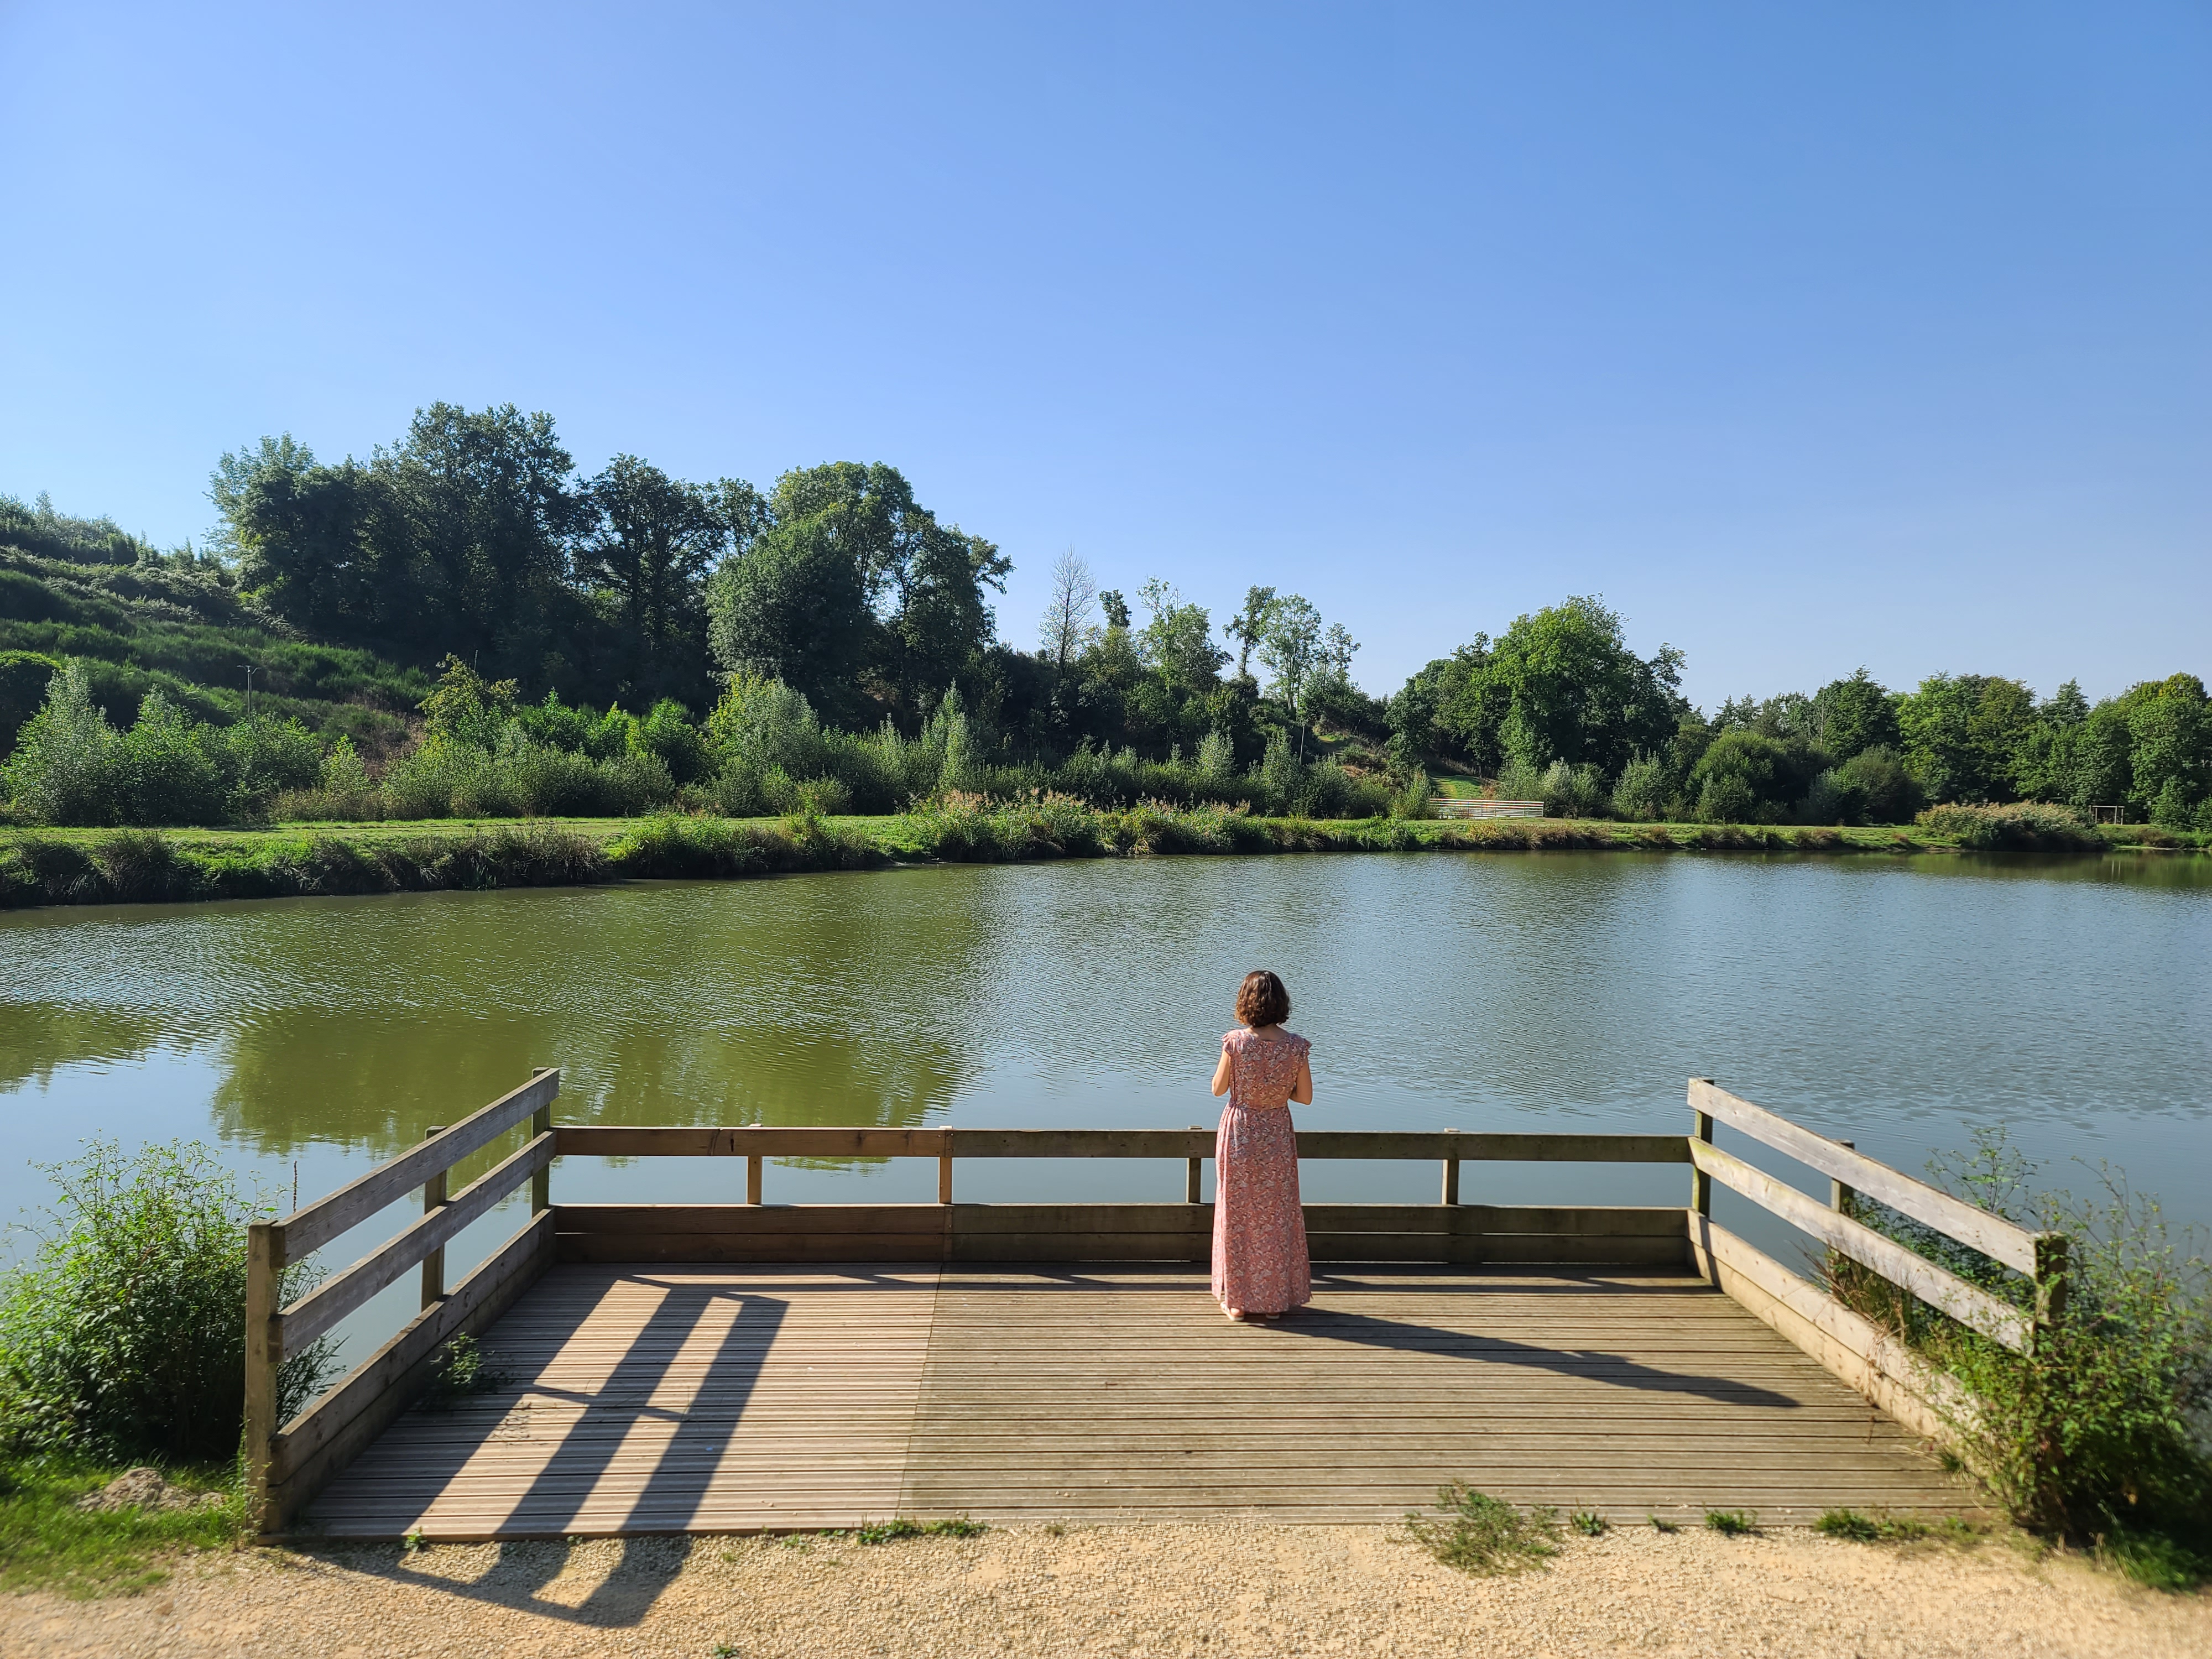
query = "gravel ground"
x=1223 y=1588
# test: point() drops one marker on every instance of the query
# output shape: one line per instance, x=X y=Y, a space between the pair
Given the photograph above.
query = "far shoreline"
x=42 y=867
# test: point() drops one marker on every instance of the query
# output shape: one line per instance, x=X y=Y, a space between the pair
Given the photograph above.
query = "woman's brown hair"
x=1262 y=1000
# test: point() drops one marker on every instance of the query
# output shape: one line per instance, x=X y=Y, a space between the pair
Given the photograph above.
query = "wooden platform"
x=737 y=1398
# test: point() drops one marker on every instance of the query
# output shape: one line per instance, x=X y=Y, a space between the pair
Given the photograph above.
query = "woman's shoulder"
x=1294 y=1038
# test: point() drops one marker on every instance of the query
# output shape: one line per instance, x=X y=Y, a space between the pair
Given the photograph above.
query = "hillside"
x=142 y=619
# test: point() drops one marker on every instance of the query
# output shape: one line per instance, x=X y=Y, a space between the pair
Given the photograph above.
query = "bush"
x=2024 y=826
x=1572 y=791
x=2101 y=1430
x=58 y=773
x=1642 y=793
x=123 y=1340
x=1887 y=793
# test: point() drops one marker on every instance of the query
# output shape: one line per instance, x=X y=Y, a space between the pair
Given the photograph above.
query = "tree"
x=477 y=507
x=1963 y=735
x=650 y=542
x=860 y=597
x=1290 y=647
x=1115 y=607
x=1067 y=626
x=1248 y=625
x=1853 y=714
x=1562 y=684
x=794 y=608
x=1176 y=641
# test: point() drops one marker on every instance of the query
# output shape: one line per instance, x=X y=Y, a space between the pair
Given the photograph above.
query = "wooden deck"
x=700 y=1398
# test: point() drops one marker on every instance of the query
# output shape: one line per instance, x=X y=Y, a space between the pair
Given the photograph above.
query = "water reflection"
x=1903 y=1002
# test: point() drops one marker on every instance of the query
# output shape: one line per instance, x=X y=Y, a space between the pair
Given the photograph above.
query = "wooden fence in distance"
x=1463 y=806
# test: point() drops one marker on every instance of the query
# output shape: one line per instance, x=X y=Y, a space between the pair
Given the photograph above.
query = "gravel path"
x=1205 y=1590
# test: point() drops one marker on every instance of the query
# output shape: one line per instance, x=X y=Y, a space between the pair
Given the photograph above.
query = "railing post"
x=1701 y=1184
x=1191 y=1188
x=434 y=1197
x=1451 y=1176
x=944 y=1167
x=2050 y=1281
x=541 y=1123
x=265 y=1270
x=752 y=1177
x=1843 y=1200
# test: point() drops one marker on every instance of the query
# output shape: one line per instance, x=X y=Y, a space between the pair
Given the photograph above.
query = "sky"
x=1810 y=337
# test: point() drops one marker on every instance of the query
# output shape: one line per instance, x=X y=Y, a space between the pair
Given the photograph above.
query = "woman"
x=1260 y=1265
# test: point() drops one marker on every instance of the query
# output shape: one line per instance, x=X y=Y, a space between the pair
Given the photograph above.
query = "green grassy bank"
x=107 y=866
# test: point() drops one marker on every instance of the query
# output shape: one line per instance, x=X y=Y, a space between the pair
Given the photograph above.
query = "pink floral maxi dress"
x=1260 y=1263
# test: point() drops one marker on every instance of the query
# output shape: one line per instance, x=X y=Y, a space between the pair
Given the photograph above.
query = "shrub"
x=59 y=773
x=2101 y=1429
x=123 y=1340
x=1412 y=798
x=1572 y=791
x=1217 y=754
x=1520 y=780
x=2022 y=826
x=161 y=771
x=1887 y=793
x=1642 y=792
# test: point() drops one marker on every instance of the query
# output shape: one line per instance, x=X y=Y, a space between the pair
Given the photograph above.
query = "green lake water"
x=1899 y=1002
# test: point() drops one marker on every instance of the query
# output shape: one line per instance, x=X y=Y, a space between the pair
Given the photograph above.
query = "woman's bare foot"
x=1236 y=1314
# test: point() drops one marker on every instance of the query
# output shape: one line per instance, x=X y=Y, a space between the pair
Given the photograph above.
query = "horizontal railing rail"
x=2039 y=1256
x=1449 y=1148
x=616 y=1140
x=275 y=1333
x=1465 y=807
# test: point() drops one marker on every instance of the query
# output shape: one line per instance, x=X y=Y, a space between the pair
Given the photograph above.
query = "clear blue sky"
x=1810 y=336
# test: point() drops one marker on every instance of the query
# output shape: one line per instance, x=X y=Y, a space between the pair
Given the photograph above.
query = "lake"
x=1902 y=1002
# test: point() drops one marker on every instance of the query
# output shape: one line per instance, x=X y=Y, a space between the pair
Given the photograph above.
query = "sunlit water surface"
x=1904 y=1003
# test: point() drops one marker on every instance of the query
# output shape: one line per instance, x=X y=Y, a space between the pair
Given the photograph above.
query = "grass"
x=1659 y=1525
x=2157 y=1561
x=1481 y=1535
x=111 y=866
x=889 y=1532
x=1733 y=1524
x=47 y=1543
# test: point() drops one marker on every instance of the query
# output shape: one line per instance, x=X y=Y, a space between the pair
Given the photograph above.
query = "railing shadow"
x=684 y=1469
x=1590 y=1365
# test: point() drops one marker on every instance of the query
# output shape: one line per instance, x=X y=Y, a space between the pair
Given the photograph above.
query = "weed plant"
x=1732 y=1523
x=460 y=1370
x=891 y=1531
x=1481 y=1535
x=1590 y=1523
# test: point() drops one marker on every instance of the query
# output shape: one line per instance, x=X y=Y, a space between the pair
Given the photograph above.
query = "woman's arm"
x=1224 y=1071
x=1302 y=1090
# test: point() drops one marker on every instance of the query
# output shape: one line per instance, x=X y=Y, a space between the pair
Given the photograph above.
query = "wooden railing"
x=1468 y=806
x=1119 y=1231
x=287 y=1462
x=1875 y=1361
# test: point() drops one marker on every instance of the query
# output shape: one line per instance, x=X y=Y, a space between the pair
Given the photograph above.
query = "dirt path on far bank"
x=1211 y=1590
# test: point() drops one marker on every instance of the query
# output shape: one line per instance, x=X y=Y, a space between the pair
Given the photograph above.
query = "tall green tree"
x=1561 y=685
x=1849 y=715
x=1963 y=735
x=649 y=543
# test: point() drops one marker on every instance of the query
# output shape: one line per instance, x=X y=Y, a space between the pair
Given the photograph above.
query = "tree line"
x=627 y=620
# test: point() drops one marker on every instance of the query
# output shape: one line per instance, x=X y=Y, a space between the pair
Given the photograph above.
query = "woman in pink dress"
x=1260 y=1265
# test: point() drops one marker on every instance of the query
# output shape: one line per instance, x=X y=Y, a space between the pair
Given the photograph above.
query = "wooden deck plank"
x=755 y=1396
